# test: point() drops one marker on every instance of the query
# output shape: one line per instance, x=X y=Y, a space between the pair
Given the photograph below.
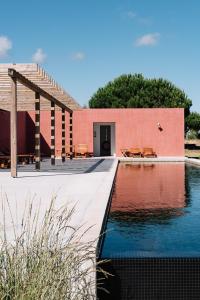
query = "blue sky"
x=84 y=44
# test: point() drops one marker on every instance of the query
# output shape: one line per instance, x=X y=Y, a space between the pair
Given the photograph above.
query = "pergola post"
x=71 y=134
x=37 y=131
x=63 y=135
x=52 y=133
x=13 y=127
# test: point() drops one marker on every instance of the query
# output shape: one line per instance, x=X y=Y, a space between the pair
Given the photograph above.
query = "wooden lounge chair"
x=124 y=152
x=134 y=152
x=149 y=152
x=81 y=150
x=67 y=151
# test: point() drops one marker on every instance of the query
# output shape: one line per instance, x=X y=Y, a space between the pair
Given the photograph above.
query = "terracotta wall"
x=45 y=128
x=135 y=128
x=5 y=131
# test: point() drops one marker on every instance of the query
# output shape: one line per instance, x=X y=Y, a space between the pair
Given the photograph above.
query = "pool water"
x=155 y=212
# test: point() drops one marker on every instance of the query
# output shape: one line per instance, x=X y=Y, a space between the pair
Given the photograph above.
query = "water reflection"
x=149 y=187
x=150 y=216
x=154 y=211
x=147 y=195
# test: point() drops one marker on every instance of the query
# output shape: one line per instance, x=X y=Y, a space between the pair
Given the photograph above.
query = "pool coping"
x=193 y=161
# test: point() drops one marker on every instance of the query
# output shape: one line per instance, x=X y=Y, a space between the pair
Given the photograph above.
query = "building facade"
x=105 y=131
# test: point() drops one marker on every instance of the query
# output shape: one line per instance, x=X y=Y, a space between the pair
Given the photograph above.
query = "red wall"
x=5 y=132
x=135 y=128
x=26 y=132
x=45 y=129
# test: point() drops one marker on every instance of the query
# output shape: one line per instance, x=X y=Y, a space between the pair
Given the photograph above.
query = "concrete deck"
x=83 y=183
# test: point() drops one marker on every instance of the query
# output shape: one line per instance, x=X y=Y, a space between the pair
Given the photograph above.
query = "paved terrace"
x=83 y=183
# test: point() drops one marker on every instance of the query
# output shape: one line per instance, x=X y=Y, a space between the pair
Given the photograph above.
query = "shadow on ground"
x=76 y=166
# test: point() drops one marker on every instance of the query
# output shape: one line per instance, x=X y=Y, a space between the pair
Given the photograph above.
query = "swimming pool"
x=154 y=222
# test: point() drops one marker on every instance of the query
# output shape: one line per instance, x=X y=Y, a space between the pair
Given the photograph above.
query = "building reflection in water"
x=148 y=192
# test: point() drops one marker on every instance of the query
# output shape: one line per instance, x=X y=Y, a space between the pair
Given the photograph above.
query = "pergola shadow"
x=69 y=167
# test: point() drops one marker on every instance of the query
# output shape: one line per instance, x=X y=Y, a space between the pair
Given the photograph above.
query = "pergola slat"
x=37 y=89
x=38 y=76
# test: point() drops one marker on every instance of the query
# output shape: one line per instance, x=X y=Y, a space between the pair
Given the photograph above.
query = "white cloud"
x=78 y=56
x=150 y=39
x=5 y=45
x=39 y=56
x=131 y=14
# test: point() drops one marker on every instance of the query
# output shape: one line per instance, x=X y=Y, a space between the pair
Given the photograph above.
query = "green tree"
x=137 y=91
x=193 y=121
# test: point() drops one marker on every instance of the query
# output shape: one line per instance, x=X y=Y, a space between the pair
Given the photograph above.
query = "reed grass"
x=47 y=258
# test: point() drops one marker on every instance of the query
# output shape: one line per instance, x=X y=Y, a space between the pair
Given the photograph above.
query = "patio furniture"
x=67 y=151
x=26 y=158
x=149 y=152
x=90 y=154
x=4 y=162
x=81 y=150
x=124 y=152
x=134 y=152
x=22 y=158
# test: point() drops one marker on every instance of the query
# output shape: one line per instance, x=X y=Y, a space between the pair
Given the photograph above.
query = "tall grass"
x=47 y=259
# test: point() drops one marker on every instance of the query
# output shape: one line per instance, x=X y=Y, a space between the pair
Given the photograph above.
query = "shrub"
x=47 y=259
x=191 y=134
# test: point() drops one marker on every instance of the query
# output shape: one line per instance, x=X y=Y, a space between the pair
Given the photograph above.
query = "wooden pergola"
x=18 y=92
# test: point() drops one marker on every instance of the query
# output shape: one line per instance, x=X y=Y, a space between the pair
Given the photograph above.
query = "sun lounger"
x=149 y=152
x=134 y=152
x=81 y=150
x=124 y=152
x=67 y=151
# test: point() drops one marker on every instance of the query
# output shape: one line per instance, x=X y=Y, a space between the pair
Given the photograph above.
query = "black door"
x=105 y=140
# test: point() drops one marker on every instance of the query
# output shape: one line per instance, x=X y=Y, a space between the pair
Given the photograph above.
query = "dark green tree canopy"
x=138 y=92
x=193 y=121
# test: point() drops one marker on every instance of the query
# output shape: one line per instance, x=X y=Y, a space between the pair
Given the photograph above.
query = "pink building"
x=159 y=128
x=105 y=131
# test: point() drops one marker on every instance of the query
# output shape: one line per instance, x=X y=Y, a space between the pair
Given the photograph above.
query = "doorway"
x=105 y=140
